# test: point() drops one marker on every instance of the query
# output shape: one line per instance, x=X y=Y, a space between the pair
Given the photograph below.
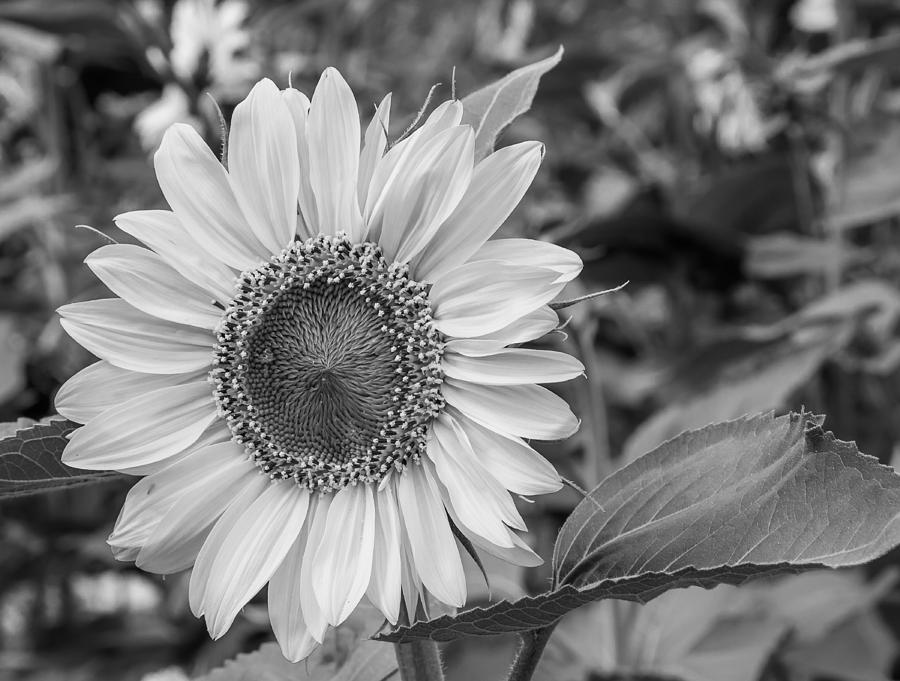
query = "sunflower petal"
x=130 y=339
x=517 y=466
x=285 y=609
x=333 y=136
x=298 y=105
x=429 y=186
x=264 y=170
x=531 y=326
x=174 y=544
x=480 y=297
x=142 y=278
x=102 y=385
x=246 y=557
x=144 y=429
x=513 y=366
x=384 y=587
x=342 y=567
x=534 y=253
x=479 y=499
x=196 y=186
x=529 y=411
x=373 y=148
x=431 y=540
x=498 y=184
x=162 y=231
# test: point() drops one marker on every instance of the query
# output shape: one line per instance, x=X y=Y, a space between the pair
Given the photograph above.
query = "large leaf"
x=492 y=108
x=726 y=503
x=30 y=461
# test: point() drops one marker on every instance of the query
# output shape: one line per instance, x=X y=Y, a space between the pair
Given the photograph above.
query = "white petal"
x=410 y=584
x=115 y=331
x=498 y=184
x=481 y=502
x=342 y=567
x=141 y=278
x=529 y=411
x=333 y=137
x=196 y=186
x=317 y=520
x=429 y=186
x=519 y=553
x=481 y=297
x=144 y=429
x=202 y=574
x=431 y=540
x=174 y=544
x=162 y=231
x=517 y=466
x=533 y=325
x=263 y=167
x=215 y=433
x=247 y=556
x=373 y=148
x=298 y=105
x=384 y=587
x=535 y=253
x=285 y=609
x=391 y=166
x=151 y=498
x=102 y=385
x=513 y=366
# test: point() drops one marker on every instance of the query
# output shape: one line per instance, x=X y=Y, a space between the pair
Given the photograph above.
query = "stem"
x=531 y=647
x=419 y=661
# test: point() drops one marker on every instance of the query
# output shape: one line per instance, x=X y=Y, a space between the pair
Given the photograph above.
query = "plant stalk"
x=419 y=661
x=531 y=647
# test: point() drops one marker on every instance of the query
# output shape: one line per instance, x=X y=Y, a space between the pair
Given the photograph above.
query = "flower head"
x=311 y=363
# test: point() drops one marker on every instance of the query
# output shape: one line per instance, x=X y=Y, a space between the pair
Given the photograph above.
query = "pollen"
x=327 y=365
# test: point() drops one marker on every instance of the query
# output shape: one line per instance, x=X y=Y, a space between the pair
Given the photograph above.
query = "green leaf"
x=370 y=661
x=492 y=108
x=30 y=461
x=721 y=505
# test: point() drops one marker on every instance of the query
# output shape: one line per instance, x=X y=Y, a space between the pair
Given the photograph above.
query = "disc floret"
x=327 y=364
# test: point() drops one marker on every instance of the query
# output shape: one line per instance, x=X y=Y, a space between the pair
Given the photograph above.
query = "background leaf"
x=691 y=634
x=728 y=379
x=369 y=661
x=723 y=504
x=490 y=109
x=30 y=461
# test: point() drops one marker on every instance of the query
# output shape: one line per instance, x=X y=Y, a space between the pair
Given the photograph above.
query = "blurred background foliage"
x=738 y=162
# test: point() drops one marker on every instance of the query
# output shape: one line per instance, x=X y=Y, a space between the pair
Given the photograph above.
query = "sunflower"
x=310 y=364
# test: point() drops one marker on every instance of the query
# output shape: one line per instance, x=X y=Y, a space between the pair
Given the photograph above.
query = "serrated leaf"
x=268 y=664
x=370 y=661
x=30 y=461
x=721 y=505
x=492 y=108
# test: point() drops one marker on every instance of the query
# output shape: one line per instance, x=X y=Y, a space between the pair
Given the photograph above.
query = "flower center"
x=327 y=364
